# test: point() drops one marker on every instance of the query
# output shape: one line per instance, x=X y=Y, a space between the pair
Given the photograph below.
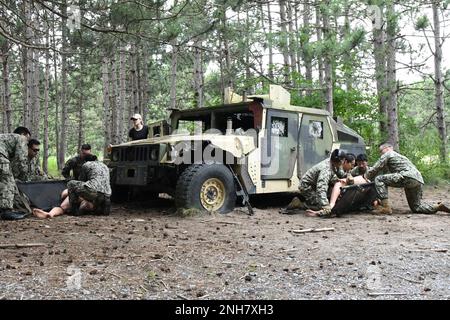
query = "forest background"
x=74 y=71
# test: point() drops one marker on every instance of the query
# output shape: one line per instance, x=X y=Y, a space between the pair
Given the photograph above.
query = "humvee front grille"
x=135 y=153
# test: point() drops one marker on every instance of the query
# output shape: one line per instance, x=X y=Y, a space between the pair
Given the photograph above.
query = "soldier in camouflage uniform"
x=402 y=174
x=74 y=164
x=361 y=165
x=89 y=195
x=315 y=183
x=93 y=191
x=13 y=150
x=34 y=173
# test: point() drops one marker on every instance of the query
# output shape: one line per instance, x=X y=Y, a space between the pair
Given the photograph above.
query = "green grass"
x=53 y=168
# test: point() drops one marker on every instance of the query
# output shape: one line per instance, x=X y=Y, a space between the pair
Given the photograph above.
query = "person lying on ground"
x=63 y=208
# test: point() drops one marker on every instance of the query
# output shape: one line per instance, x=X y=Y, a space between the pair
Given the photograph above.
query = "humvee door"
x=315 y=141
x=279 y=148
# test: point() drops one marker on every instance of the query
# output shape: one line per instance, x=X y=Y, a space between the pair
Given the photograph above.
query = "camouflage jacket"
x=394 y=162
x=319 y=178
x=34 y=172
x=14 y=151
x=96 y=176
x=73 y=164
x=356 y=171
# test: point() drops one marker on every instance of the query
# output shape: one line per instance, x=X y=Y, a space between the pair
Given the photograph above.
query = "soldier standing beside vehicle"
x=74 y=164
x=402 y=174
x=139 y=130
x=13 y=150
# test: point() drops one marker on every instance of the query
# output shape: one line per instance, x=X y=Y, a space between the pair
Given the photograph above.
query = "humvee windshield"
x=203 y=120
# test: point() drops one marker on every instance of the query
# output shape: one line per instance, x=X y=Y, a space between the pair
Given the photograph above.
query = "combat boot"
x=442 y=207
x=383 y=208
x=295 y=204
x=103 y=205
x=12 y=215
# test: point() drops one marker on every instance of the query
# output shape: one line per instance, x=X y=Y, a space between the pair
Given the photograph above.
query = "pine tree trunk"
x=56 y=89
x=123 y=95
x=114 y=101
x=106 y=101
x=319 y=39
x=36 y=114
x=439 y=83
x=46 y=101
x=173 y=77
x=284 y=43
x=64 y=84
x=80 y=139
x=7 y=116
x=145 y=85
x=379 y=52
x=292 y=43
x=27 y=68
x=269 y=21
x=228 y=78
x=328 y=68
x=391 y=77
x=307 y=59
x=198 y=74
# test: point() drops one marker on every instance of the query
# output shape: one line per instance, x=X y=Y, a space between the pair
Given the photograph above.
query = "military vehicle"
x=210 y=157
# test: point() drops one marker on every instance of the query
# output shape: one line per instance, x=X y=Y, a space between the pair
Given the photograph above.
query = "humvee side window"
x=279 y=127
x=316 y=129
x=190 y=126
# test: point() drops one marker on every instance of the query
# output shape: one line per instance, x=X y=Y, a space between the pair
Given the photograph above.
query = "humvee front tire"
x=207 y=188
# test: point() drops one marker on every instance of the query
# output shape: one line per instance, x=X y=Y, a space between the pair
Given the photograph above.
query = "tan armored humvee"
x=211 y=156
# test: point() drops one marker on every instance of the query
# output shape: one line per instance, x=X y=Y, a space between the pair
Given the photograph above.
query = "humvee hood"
x=237 y=145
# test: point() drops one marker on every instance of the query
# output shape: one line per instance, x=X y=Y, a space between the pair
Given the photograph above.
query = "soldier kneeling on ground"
x=89 y=195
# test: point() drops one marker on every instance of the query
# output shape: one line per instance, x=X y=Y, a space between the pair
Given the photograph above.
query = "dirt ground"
x=145 y=251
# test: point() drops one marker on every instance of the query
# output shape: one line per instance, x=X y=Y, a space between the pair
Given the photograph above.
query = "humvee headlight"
x=115 y=155
x=154 y=154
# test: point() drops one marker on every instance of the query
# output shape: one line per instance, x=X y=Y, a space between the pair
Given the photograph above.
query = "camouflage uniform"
x=401 y=174
x=357 y=171
x=34 y=172
x=94 y=186
x=13 y=150
x=315 y=182
x=75 y=165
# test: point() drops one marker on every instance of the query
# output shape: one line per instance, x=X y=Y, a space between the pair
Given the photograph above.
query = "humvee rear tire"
x=207 y=188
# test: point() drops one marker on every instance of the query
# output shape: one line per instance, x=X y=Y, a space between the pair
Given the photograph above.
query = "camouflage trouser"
x=79 y=189
x=311 y=198
x=21 y=201
x=413 y=191
x=7 y=186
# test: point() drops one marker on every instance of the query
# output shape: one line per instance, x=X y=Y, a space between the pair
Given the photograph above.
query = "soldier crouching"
x=91 y=194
